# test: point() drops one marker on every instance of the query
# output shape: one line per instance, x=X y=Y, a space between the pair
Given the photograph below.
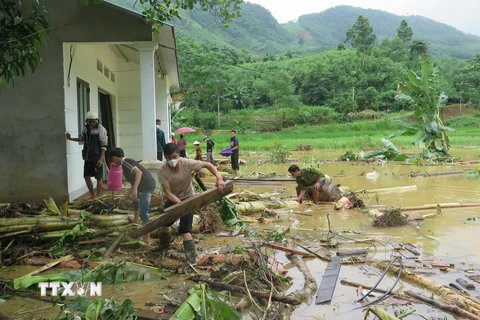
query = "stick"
x=356 y=285
x=450 y=308
x=438 y=173
x=255 y=293
x=114 y=244
x=49 y=265
x=181 y=209
x=351 y=252
x=310 y=286
x=465 y=284
x=288 y=250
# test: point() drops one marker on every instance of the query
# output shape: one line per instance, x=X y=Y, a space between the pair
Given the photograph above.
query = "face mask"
x=172 y=163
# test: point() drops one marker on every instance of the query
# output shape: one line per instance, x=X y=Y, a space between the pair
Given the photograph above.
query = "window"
x=99 y=66
x=112 y=76
x=83 y=103
x=106 y=71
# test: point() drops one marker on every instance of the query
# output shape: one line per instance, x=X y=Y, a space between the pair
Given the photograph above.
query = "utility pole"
x=218 y=111
x=353 y=93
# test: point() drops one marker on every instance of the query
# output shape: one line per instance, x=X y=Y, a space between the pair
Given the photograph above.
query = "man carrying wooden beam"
x=176 y=181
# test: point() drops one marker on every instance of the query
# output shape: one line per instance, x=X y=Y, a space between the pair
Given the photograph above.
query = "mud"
x=447 y=239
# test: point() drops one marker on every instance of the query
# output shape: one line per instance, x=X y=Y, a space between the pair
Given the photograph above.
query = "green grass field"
x=355 y=136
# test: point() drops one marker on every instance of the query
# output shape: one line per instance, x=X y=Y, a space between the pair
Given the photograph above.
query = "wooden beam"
x=181 y=209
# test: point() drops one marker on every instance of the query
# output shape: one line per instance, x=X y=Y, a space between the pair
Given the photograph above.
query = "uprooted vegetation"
x=247 y=265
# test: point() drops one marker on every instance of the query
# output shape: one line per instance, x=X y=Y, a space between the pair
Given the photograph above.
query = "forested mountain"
x=328 y=28
x=258 y=32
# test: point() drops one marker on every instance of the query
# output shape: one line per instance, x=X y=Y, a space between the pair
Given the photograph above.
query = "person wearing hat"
x=95 y=143
x=210 y=145
x=198 y=151
x=173 y=139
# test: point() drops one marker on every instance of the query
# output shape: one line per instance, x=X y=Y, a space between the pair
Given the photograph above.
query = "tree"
x=361 y=36
x=22 y=32
x=404 y=32
x=23 y=29
x=419 y=48
x=341 y=46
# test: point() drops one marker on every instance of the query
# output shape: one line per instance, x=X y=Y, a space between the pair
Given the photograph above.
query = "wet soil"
x=455 y=239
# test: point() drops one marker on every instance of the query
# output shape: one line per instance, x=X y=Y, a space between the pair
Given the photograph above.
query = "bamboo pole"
x=393 y=189
x=445 y=292
x=450 y=308
x=49 y=265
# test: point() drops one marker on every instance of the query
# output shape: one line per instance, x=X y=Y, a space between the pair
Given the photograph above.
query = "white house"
x=99 y=57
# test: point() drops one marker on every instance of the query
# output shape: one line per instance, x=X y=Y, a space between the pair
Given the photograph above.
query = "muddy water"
x=457 y=241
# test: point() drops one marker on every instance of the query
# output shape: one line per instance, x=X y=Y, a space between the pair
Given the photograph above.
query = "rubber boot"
x=190 y=252
x=235 y=174
x=164 y=239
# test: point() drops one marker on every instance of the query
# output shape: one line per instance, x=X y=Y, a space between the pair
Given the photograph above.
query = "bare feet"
x=146 y=239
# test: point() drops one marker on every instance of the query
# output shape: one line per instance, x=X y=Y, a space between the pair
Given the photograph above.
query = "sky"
x=461 y=14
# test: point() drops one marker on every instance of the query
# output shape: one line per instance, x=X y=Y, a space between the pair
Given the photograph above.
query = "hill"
x=258 y=32
x=328 y=28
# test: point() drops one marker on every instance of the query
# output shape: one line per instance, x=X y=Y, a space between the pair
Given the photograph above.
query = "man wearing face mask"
x=176 y=180
x=95 y=142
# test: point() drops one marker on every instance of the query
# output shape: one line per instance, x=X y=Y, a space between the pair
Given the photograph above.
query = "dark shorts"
x=90 y=169
x=183 y=153
x=160 y=156
x=234 y=160
x=185 y=221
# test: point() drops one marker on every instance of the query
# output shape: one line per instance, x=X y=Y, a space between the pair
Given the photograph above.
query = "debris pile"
x=391 y=217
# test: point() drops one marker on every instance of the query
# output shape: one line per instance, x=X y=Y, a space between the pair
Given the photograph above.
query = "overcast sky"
x=461 y=14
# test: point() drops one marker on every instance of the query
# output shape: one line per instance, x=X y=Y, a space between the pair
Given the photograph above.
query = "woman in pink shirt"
x=181 y=146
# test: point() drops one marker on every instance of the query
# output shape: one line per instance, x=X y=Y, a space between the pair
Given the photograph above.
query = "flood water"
x=456 y=239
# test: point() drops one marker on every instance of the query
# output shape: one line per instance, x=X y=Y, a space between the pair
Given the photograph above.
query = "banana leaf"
x=230 y=216
x=204 y=304
x=25 y=282
x=98 y=309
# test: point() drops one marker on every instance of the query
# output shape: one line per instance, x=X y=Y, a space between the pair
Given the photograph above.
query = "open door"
x=106 y=119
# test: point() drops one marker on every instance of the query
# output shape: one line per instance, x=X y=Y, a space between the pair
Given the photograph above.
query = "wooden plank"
x=329 y=281
x=317 y=250
x=181 y=209
x=352 y=252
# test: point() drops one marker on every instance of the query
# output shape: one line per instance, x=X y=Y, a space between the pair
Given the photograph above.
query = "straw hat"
x=196 y=142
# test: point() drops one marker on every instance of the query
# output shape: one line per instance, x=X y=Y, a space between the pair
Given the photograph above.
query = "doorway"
x=107 y=120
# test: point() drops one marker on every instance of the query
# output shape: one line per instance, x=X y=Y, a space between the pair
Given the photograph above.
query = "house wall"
x=33 y=161
x=84 y=66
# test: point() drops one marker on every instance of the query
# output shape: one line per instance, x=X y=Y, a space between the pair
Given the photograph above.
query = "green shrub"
x=463 y=121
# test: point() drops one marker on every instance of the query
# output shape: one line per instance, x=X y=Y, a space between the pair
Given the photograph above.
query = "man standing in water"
x=308 y=178
x=95 y=142
x=175 y=177
x=234 y=157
